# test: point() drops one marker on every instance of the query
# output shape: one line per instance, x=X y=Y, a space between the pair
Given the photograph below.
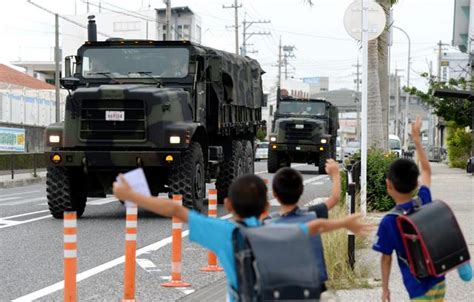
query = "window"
x=127 y=26
x=183 y=32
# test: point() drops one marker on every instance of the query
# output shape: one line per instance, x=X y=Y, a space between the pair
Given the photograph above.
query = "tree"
x=454 y=109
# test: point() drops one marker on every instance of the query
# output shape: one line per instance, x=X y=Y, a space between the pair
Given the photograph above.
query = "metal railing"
x=28 y=162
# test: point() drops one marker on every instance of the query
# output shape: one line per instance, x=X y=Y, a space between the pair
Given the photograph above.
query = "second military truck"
x=302 y=131
x=183 y=112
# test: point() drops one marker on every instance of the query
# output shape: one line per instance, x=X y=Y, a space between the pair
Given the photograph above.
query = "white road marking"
x=316 y=201
x=20 y=194
x=186 y=291
x=293 y=166
x=102 y=201
x=317 y=183
x=147 y=265
x=15 y=203
x=10 y=223
x=25 y=214
x=101 y=268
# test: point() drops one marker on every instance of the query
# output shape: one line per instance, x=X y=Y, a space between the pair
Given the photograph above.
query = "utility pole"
x=288 y=53
x=236 y=7
x=357 y=74
x=168 y=19
x=440 y=54
x=246 y=35
x=279 y=66
x=56 y=63
x=397 y=103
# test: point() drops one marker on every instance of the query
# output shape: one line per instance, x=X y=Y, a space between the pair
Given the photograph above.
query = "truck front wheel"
x=230 y=169
x=248 y=165
x=66 y=191
x=188 y=178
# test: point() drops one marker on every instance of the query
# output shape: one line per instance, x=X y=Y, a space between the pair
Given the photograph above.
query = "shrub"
x=261 y=134
x=459 y=146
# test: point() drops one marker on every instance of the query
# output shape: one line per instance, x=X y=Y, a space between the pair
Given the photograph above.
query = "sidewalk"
x=21 y=179
x=455 y=187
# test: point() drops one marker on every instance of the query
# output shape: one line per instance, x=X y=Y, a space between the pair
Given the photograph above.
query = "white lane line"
x=186 y=291
x=98 y=269
x=10 y=223
x=15 y=203
x=317 y=183
x=293 y=166
x=8 y=198
x=20 y=194
x=102 y=201
x=316 y=201
x=274 y=201
x=25 y=214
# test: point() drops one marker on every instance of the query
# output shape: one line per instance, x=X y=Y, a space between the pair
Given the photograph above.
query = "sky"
x=322 y=46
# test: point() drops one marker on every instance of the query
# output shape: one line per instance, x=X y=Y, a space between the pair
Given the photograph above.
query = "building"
x=463 y=28
x=185 y=25
x=317 y=84
x=454 y=65
x=27 y=106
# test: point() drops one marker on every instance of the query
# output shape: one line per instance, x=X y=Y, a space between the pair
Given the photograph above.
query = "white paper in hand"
x=137 y=181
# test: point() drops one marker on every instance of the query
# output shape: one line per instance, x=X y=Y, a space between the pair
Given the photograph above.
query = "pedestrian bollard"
x=70 y=256
x=212 y=212
x=176 y=250
x=130 y=251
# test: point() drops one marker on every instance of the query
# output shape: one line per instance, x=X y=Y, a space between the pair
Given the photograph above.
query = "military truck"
x=302 y=131
x=183 y=112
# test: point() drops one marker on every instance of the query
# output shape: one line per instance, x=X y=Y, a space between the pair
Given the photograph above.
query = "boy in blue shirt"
x=287 y=188
x=247 y=200
x=402 y=180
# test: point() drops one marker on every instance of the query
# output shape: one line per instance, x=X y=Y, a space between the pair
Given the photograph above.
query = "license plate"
x=299 y=126
x=298 y=148
x=114 y=115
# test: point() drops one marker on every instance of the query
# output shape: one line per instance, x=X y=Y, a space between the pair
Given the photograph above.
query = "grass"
x=341 y=276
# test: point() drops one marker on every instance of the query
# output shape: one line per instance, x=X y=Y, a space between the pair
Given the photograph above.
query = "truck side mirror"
x=67 y=67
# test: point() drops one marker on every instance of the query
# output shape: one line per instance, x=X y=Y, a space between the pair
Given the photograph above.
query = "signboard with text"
x=12 y=139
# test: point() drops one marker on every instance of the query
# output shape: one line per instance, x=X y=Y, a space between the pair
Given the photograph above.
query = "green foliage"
x=459 y=146
x=457 y=110
x=21 y=161
x=261 y=134
x=378 y=163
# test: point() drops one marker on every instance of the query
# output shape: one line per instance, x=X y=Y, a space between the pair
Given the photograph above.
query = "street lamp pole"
x=407 y=100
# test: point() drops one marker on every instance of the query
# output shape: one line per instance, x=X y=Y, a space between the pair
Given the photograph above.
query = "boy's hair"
x=248 y=195
x=403 y=173
x=288 y=186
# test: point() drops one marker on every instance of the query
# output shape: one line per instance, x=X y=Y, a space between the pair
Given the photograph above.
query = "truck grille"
x=293 y=133
x=95 y=127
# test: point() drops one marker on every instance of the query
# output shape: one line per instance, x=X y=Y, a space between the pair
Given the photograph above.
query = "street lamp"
x=407 y=101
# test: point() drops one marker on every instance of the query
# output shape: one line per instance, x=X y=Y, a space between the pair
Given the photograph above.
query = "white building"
x=317 y=84
x=185 y=25
x=454 y=65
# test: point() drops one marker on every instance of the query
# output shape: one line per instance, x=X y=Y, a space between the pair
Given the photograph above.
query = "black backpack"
x=274 y=263
x=432 y=238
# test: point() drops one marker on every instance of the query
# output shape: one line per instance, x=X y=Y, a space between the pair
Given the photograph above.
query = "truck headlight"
x=273 y=138
x=54 y=139
x=175 y=139
x=323 y=141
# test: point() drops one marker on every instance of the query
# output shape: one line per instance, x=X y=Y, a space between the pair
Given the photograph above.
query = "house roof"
x=12 y=76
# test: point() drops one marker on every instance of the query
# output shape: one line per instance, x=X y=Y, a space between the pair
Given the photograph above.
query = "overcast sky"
x=323 y=47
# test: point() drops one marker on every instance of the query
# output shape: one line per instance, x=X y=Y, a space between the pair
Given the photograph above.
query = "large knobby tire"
x=66 y=191
x=248 y=158
x=273 y=162
x=188 y=178
x=323 y=156
x=230 y=169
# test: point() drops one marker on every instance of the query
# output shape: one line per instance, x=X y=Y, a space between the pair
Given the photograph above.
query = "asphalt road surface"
x=31 y=248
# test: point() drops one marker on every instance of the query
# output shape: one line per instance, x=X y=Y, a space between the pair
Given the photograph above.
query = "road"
x=31 y=247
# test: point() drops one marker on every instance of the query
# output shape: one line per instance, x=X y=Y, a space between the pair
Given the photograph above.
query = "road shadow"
x=308 y=172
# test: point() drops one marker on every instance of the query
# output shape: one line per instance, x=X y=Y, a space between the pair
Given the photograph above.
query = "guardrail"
x=13 y=162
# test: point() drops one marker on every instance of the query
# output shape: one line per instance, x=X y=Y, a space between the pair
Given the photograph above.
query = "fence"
x=13 y=162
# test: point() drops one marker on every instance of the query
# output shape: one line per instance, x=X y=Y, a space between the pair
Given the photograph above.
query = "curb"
x=14 y=183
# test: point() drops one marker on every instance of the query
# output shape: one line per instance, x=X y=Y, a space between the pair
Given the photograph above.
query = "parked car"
x=395 y=144
x=351 y=148
x=470 y=165
x=261 y=151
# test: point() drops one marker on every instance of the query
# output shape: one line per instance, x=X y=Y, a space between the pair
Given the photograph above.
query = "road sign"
x=353 y=20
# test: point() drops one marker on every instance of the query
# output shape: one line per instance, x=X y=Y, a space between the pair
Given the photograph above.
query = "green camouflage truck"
x=302 y=131
x=183 y=112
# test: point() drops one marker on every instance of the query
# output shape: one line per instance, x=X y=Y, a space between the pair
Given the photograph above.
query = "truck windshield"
x=394 y=144
x=302 y=108
x=134 y=62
